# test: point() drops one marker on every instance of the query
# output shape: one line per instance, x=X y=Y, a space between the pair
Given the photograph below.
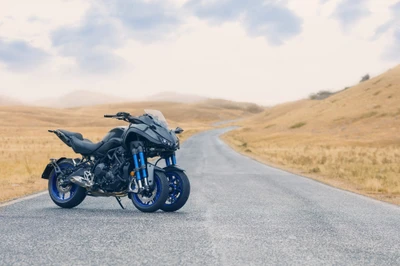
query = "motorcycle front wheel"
x=179 y=190
x=152 y=201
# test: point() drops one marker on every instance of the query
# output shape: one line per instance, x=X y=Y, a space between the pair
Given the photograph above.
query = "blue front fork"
x=140 y=169
x=137 y=167
x=170 y=160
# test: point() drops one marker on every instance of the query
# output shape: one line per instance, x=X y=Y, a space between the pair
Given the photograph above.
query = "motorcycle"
x=119 y=166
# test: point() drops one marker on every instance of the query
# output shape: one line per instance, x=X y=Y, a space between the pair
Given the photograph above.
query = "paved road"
x=240 y=213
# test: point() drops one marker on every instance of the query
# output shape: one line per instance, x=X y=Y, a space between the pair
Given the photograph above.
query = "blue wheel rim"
x=175 y=187
x=60 y=196
x=137 y=199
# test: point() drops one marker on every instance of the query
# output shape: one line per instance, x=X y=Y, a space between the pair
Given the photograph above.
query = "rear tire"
x=69 y=196
x=153 y=202
x=179 y=190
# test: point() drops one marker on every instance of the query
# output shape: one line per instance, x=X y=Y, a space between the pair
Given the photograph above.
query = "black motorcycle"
x=119 y=166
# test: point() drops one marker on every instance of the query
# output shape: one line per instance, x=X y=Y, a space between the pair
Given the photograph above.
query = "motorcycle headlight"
x=165 y=141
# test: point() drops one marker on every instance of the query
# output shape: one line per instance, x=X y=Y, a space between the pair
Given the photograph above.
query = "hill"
x=205 y=113
x=169 y=96
x=8 y=101
x=350 y=139
x=79 y=98
x=83 y=98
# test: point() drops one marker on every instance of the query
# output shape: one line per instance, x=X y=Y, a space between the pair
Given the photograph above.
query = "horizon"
x=265 y=52
x=120 y=99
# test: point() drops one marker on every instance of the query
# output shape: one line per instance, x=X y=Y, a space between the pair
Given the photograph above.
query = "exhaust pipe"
x=80 y=181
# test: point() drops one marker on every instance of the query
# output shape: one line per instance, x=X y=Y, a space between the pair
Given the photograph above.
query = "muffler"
x=82 y=182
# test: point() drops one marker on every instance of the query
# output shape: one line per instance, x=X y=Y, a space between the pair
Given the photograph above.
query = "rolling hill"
x=367 y=111
x=8 y=101
x=84 y=98
x=350 y=139
x=169 y=96
x=79 y=98
x=205 y=113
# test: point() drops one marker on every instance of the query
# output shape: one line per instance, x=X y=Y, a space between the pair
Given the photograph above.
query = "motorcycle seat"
x=70 y=134
x=84 y=146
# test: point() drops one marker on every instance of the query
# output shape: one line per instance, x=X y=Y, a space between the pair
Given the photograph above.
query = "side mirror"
x=178 y=130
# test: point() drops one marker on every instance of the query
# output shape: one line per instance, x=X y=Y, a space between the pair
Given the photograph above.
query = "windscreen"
x=158 y=117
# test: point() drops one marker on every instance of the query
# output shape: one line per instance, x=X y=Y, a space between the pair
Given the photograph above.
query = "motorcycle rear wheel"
x=68 y=196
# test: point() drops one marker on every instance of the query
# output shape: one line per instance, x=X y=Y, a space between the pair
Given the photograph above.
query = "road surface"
x=240 y=212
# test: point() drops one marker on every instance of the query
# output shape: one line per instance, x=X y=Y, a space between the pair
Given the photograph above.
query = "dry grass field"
x=350 y=140
x=26 y=146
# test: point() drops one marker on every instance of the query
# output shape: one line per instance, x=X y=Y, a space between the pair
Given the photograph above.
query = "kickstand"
x=119 y=202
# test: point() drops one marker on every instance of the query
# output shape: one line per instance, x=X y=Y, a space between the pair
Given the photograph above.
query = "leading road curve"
x=240 y=212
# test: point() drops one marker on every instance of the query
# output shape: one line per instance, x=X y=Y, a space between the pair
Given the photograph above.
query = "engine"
x=112 y=174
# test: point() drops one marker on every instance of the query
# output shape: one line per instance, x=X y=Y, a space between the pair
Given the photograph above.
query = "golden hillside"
x=370 y=109
x=203 y=112
x=350 y=139
x=26 y=146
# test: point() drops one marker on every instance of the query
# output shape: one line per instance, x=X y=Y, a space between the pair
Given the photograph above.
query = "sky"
x=263 y=51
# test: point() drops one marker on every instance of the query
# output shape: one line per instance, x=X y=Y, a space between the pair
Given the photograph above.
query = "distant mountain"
x=169 y=96
x=8 y=101
x=80 y=98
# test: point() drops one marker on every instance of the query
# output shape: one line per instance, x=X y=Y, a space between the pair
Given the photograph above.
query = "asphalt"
x=240 y=212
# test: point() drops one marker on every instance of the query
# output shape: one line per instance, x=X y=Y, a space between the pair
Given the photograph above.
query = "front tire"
x=179 y=190
x=68 y=196
x=155 y=199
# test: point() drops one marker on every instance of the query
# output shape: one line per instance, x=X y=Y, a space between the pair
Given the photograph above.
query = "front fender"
x=151 y=169
x=172 y=168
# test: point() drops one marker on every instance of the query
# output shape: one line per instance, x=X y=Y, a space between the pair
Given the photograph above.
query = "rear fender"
x=49 y=168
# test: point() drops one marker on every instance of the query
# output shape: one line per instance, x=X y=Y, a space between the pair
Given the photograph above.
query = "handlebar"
x=119 y=114
x=126 y=117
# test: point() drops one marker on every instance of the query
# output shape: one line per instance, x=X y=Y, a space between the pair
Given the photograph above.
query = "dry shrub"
x=298 y=125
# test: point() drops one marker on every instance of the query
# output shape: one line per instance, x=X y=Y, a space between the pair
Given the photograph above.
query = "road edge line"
x=32 y=196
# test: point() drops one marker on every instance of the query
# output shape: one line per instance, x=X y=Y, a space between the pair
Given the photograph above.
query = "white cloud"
x=212 y=60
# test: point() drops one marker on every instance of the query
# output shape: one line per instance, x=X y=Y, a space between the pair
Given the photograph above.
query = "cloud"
x=393 y=21
x=392 y=53
x=219 y=11
x=107 y=26
x=275 y=22
x=91 y=43
x=383 y=29
x=34 y=19
x=270 y=19
x=20 y=55
x=146 y=20
x=392 y=26
x=349 y=12
x=396 y=8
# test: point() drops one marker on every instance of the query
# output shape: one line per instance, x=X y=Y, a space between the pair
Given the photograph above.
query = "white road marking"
x=11 y=202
